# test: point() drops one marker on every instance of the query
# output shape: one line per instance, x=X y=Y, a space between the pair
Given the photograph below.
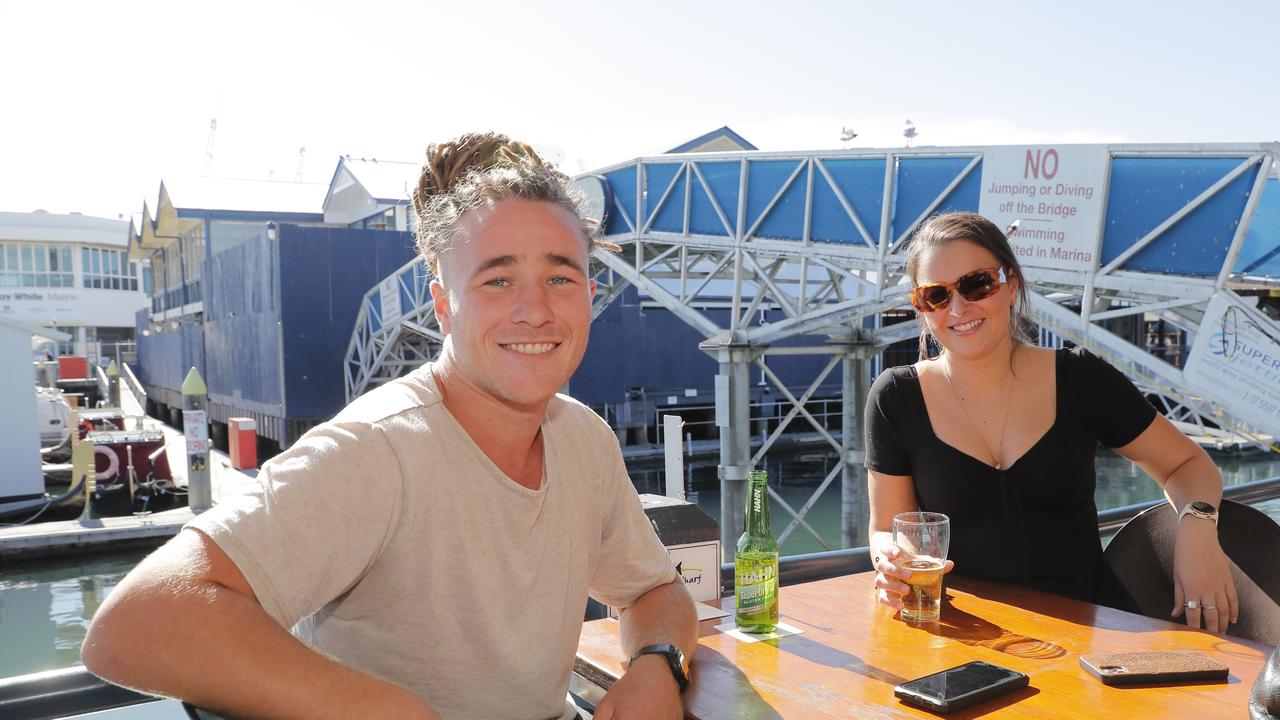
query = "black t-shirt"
x=1034 y=523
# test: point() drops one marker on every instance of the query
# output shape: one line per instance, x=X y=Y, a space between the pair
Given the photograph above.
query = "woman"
x=1001 y=435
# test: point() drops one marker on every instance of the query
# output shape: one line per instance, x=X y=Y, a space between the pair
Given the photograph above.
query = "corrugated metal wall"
x=324 y=274
x=165 y=354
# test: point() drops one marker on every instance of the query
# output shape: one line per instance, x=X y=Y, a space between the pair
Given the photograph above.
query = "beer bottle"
x=755 y=564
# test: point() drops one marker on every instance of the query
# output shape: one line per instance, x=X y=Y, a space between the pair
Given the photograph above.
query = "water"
x=45 y=606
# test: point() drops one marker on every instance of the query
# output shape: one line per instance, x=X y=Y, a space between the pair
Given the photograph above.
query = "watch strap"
x=675 y=660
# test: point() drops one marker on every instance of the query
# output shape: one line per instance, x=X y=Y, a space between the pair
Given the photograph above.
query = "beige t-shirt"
x=424 y=564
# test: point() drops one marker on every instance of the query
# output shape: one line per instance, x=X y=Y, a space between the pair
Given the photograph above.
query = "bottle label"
x=757 y=584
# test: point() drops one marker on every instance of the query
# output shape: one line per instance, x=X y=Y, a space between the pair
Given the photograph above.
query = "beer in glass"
x=923 y=538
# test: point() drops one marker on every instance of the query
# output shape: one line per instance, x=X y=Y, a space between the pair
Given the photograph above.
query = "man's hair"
x=942 y=229
x=479 y=170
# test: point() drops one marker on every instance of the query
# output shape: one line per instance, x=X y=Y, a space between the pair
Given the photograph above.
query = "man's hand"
x=646 y=690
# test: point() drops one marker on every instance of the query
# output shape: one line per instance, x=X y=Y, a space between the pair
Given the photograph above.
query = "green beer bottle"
x=755 y=564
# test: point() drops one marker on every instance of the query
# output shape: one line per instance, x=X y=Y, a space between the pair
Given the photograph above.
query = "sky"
x=99 y=102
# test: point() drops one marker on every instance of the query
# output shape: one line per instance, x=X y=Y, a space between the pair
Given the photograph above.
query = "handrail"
x=1266 y=489
x=104 y=385
x=62 y=693
x=135 y=387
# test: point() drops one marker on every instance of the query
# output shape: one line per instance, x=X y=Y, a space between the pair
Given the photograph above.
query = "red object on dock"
x=73 y=367
x=243 y=441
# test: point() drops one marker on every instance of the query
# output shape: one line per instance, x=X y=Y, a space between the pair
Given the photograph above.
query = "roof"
x=34 y=329
x=206 y=193
x=389 y=180
x=723 y=133
x=41 y=226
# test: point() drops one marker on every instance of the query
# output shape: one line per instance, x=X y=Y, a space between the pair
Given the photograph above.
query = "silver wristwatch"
x=1202 y=510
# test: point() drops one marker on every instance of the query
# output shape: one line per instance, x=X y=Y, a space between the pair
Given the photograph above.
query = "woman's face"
x=965 y=327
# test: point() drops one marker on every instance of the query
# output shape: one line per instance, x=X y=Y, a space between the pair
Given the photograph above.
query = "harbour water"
x=46 y=605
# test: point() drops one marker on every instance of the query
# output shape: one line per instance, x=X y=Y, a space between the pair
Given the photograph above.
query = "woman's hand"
x=1202 y=585
x=891 y=583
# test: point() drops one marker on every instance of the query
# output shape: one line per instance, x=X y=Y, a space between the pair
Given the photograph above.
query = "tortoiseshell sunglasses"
x=975 y=286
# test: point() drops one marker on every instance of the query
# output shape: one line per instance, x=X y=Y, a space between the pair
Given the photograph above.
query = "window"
x=108 y=269
x=35 y=266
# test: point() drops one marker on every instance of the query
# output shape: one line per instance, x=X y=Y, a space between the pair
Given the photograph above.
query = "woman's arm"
x=1186 y=473
x=888 y=496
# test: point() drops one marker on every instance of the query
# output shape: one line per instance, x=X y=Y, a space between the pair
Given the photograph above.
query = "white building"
x=72 y=273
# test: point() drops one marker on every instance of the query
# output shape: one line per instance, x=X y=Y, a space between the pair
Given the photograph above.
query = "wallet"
x=1153 y=667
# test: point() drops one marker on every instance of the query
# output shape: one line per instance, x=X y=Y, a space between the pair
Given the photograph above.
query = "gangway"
x=1103 y=232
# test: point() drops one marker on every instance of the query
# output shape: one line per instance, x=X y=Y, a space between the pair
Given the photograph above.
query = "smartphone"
x=959 y=687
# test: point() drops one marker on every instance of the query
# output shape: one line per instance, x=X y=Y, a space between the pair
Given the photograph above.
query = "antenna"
x=302 y=158
x=910 y=132
x=208 y=146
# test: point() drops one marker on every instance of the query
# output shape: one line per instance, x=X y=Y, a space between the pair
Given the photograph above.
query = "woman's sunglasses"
x=975 y=286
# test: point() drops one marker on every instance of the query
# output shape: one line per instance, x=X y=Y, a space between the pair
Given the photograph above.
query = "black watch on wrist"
x=675 y=659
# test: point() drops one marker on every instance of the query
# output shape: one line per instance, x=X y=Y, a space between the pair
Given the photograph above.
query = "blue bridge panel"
x=830 y=222
x=921 y=180
x=764 y=179
x=786 y=220
x=1260 y=255
x=623 y=183
x=670 y=214
x=722 y=178
x=1144 y=192
x=862 y=182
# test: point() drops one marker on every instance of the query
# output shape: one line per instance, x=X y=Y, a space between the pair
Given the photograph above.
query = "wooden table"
x=853 y=651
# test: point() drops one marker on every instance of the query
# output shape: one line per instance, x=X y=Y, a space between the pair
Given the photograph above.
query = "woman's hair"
x=940 y=230
x=480 y=170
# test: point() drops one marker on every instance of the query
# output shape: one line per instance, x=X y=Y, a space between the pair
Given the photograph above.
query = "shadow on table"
x=994 y=704
x=974 y=631
x=816 y=652
x=728 y=687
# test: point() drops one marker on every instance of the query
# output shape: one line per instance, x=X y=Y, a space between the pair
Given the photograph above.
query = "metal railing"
x=135 y=387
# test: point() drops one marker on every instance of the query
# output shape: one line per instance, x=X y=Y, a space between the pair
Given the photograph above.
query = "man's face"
x=515 y=298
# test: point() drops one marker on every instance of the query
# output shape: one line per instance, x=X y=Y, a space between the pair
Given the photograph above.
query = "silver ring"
x=1193 y=604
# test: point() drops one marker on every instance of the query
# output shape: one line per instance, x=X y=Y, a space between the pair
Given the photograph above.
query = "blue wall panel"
x=165 y=356
x=324 y=274
x=242 y=323
x=1260 y=254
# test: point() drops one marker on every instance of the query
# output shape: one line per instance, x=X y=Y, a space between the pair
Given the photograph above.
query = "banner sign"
x=1235 y=362
x=1056 y=196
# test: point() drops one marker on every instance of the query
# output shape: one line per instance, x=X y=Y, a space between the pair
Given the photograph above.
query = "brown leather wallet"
x=1153 y=667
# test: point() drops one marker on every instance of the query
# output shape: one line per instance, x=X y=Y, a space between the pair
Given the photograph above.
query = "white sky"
x=102 y=100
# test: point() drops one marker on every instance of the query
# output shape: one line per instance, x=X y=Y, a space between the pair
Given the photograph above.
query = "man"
x=442 y=532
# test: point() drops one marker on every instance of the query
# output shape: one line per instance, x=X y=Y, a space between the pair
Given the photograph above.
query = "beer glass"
x=923 y=538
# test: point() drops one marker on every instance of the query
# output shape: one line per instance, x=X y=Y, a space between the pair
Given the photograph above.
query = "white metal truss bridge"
x=822 y=237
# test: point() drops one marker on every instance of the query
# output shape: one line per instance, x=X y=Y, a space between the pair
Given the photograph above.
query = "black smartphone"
x=959 y=687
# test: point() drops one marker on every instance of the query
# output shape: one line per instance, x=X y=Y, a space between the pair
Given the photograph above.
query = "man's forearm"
x=664 y=614
x=218 y=649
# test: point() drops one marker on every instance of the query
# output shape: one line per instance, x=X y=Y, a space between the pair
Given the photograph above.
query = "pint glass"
x=923 y=538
